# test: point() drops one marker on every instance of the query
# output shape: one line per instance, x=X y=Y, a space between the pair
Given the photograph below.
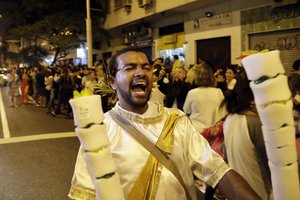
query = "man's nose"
x=139 y=70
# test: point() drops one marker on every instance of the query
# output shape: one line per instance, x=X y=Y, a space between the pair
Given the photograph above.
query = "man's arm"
x=233 y=186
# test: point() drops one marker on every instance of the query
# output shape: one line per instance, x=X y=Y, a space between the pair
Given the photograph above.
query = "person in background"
x=24 y=85
x=91 y=81
x=202 y=103
x=133 y=78
x=294 y=83
x=243 y=139
x=84 y=76
x=30 y=88
x=159 y=61
x=34 y=85
x=156 y=94
x=65 y=93
x=175 y=90
x=77 y=80
x=230 y=77
x=13 y=88
x=220 y=80
x=168 y=66
x=50 y=91
x=190 y=76
x=201 y=60
x=41 y=88
x=176 y=62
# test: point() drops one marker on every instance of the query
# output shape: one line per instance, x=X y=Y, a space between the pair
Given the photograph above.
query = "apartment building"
x=216 y=30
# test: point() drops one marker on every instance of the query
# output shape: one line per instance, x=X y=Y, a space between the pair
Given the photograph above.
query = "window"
x=121 y=3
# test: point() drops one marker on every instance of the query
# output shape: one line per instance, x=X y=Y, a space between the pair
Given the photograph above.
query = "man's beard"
x=133 y=101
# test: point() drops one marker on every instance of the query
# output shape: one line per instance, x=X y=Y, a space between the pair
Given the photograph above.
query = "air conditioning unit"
x=169 y=39
x=280 y=3
x=144 y=3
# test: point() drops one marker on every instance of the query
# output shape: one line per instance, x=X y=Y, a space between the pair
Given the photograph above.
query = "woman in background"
x=230 y=74
x=243 y=138
x=203 y=102
x=13 y=85
x=24 y=85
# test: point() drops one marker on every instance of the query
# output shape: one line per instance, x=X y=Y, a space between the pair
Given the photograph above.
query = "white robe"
x=191 y=151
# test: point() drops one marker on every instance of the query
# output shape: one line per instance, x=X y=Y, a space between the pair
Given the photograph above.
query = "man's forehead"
x=133 y=53
x=132 y=56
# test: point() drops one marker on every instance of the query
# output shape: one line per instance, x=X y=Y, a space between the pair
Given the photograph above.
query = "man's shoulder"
x=174 y=110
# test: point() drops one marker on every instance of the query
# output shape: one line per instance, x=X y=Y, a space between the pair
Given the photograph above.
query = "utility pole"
x=89 y=34
x=2 y=53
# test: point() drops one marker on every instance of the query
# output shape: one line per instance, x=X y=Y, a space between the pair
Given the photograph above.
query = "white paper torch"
x=275 y=108
x=88 y=119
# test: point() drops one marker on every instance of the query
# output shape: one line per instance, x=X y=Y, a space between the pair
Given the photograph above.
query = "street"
x=38 y=152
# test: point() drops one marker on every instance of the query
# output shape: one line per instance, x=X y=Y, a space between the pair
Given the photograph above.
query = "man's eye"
x=147 y=67
x=128 y=68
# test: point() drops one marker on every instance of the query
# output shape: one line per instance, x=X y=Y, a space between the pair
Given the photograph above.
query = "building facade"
x=216 y=31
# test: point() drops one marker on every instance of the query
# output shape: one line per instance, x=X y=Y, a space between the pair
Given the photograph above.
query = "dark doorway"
x=216 y=51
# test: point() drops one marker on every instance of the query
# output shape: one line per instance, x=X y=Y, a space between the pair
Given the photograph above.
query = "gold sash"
x=146 y=185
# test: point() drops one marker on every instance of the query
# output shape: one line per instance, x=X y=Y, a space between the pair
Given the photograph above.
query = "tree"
x=60 y=23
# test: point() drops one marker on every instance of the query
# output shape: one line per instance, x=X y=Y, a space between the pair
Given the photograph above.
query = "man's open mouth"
x=139 y=87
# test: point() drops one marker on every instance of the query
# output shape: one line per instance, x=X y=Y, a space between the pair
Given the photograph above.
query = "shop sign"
x=216 y=20
x=284 y=13
x=144 y=42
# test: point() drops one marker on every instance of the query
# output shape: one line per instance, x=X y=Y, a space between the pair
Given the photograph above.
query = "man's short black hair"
x=296 y=65
x=113 y=64
x=161 y=59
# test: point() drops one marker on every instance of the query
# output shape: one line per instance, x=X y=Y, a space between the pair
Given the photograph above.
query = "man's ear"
x=111 y=81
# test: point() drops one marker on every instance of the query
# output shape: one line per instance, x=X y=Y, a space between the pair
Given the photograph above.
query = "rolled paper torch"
x=88 y=119
x=275 y=109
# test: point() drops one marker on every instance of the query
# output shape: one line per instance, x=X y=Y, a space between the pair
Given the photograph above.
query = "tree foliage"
x=60 y=23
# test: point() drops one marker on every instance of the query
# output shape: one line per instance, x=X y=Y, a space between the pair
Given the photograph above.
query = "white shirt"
x=202 y=104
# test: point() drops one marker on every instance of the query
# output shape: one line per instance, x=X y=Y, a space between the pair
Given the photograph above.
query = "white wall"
x=233 y=30
x=191 y=35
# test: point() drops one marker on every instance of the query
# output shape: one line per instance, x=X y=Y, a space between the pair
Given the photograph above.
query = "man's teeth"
x=141 y=83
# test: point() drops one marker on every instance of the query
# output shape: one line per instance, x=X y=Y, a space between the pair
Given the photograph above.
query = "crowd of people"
x=53 y=87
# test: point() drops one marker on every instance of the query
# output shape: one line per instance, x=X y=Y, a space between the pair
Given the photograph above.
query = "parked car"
x=3 y=77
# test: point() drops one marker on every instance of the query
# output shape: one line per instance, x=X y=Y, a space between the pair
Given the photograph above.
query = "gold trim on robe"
x=166 y=140
x=146 y=185
x=216 y=176
x=136 y=118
